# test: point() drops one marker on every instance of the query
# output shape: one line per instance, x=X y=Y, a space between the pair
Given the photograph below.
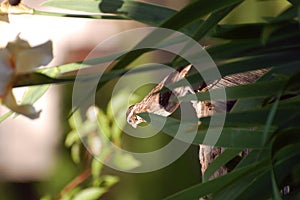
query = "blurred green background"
x=159 y=184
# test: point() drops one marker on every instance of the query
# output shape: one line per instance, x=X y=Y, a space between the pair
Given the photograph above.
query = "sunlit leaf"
x=92 y=193
x=5 y=116
x=186 y=16
x=126 y=161
x=75 y=152
x=140 y=11
x=96 y=168
x=144 y=12
x=110 y=180
x=78 y=5
x=71 y=138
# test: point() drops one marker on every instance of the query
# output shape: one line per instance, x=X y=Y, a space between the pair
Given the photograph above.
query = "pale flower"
x=18 y=58
x=6 y=8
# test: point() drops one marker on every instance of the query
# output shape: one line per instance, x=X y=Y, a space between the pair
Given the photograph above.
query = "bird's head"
x=132 y=118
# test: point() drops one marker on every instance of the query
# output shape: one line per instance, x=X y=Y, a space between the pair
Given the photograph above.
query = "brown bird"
x=159 y=103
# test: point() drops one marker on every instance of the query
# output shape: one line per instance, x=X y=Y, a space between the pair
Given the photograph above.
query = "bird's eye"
x=130 y=120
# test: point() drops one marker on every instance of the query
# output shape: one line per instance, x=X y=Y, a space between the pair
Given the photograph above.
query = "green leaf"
x=72 y=68
x=231 y=136
x=68 y=71
x=286 y=161
x=126 y=161
x=294 y=2
x=104 y=124
x=276 y=192
x=259 y=89
x=212 y=21
x=252 y=44
x=206 y=26
x=110 y=180
x=254 y=156
x=287 y=14
x=258 y=117
x=233 y=49
x=147 y=13
x=203 y=189
x=72 y=138
x=69 y=195
x=243 y=188
x=243 y=105
x=270 y=119
x=92 y=193
x=139 y=11
x=238 y=31
x=196 y=10
x=285 y=139
x=75 y=152
x=268 y=31
x=35 y=79
x=46 y=197
x=234 y=189
x=192 y=12
x=106 y=76
x=293 y=83
x=259 y=186
x=264 y=60
x=116 y=110
x=78 y=5
x=276 y=60
x=96 y=168
x=236 y=138
x=5 y=116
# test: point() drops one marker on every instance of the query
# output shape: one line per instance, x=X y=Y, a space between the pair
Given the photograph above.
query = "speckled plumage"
x=159 y=103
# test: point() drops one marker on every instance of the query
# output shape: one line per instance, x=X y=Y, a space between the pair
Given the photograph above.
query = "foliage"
x=265 y=117
x=90 y=149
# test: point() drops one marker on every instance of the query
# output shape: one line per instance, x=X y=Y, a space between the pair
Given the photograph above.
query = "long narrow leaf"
x=5 y=116
x=78 y=5
x=249 y=64
x=195 y=10
x=147 y=13
x=203 y=28
x=259 y=89
x=233 y=190
x=230 y=136
x=139 y=11
x=257 y=117
x=258 y=186
x=203 y=189
x=186 y=16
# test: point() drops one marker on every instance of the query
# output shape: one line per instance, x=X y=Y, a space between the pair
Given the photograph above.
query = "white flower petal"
x=19 y=57
x=26 y=110
x=27 y=60
x=17 y=46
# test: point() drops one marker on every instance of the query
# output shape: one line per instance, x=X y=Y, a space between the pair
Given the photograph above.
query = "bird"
x=159 y=103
